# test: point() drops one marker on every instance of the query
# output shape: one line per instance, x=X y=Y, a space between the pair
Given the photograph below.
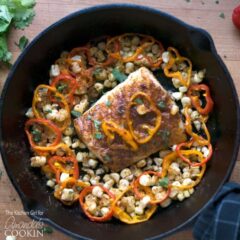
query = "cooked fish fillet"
x=114 y=151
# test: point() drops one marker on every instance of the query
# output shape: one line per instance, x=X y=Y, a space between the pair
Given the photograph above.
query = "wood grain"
x=201 y=13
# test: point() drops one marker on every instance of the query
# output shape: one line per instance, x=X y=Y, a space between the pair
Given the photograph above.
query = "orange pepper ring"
x=63 y=100
x=54 y=159
x=46 y=123
x=151 y=131
x=109 y=127
x=88 y=190
x=188 y=144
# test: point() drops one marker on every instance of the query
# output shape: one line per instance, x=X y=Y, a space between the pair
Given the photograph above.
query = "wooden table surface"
x=201 y=13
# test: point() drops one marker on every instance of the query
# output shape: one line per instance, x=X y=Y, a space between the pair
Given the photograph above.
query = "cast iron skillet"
x=32 y=68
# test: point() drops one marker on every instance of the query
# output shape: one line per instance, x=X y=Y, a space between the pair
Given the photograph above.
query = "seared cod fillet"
x=113 y=149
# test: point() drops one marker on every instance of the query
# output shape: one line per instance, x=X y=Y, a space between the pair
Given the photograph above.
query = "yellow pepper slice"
x=185 y=81
x=125 y=217
x=60 y=101
x=110 y=127
x=70 y=182
x=168 y=159
x=151 y=130
x=116 y=41
x=197 y=138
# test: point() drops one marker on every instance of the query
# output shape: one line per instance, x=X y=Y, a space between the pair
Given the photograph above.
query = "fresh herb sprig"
x=18 y=14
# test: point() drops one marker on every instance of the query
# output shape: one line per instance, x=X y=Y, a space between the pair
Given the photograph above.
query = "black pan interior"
x=33 y=68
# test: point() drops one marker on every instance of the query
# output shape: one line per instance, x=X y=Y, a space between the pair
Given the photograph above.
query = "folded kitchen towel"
x=221 y=219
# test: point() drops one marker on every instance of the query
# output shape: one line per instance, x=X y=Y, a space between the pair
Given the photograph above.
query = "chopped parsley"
x=138 y=101
x=97 y=124
x=222 y=15
x=107 y=158
x=164 y=134
x=108 y=103
x=89 y=117
x=37 y=137
x=98 y=135
x=164 y=182
x=48 y=111
x=119 y=76
x=97 y=71
x=161 y=105
x=75 y=113
x=61 y=87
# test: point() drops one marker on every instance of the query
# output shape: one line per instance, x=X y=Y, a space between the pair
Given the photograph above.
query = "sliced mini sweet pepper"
x=36 y=135
x=194 y=93
x=149 y=129
x=64 y=165
x=123 y=216
x=116 y=52
x=45 y=94
x=196 y=137
x=70 y=183
x=88 y=190
x=110 y=127
x=168 y=159
x=184 y=153
x=174 y=59
x=66 y=85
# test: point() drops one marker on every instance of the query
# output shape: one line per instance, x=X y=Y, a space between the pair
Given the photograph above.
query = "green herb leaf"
x=17 y=13
x=138 y=101
x=97 y=124
x=164 y=182
x=98 y=135
x=37 y=137
x=222 y=15
x=119 y=76
x=107 y=158
x=23 y=42
x=164 y=134
x=108 y=103
x=161 y=105
x=89 y=117
x=5 y=55
x=97 y=71
x=61 y=87
x=47 y=230
x=75 y=113
x=23 y=17
x=5 y=18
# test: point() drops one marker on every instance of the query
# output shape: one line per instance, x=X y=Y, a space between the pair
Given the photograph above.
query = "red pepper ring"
x=88 y=190
x=70 y=81
x=45 y=123
x=196 y=101
x=187 y=160
x=58 y=170
x=80 y=50
x=148 y=191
